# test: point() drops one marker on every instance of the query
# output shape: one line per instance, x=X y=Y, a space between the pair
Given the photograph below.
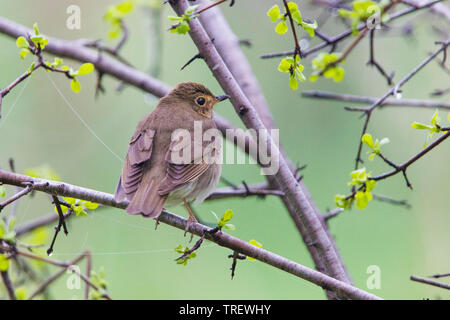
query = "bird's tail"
x=147 y=201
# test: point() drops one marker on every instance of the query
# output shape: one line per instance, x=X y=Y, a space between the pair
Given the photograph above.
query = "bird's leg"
x=191 y=218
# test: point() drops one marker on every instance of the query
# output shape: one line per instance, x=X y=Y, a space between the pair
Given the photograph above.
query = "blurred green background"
x=38 y=127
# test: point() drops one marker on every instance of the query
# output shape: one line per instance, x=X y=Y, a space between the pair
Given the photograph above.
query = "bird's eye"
x=200 y=101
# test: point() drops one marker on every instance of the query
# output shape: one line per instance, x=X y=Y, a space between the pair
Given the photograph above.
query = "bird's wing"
x=180 y=174
x=139 y=153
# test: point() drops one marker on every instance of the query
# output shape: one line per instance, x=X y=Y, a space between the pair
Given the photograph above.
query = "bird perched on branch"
x=168 y=160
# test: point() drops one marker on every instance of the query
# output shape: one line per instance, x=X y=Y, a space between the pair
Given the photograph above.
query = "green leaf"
x=292 y=6
x=325 y=63
x=370 y=185
x=63 y=209
x=36 y=30
x=420 y=126
x=85 y=68
x=181 y=28
x=359 y=177
x=191 y=9
x=70 y=200
x=10 y=236
x=75 y=85
x=435 y=119
x=256 y=244
x=2 y=191
x=367 y=140
x=314 y=77
x=297 y=17
x=57 y=62
x=31 y=68
x=179 y=249
x=281 y=28
x=339 y=74
x=12 y=222
x=309 y=27
x=22 y=42
x=4 y=262
x=284 y=66
x=79 y=211
x=43 y=43
x=90 y=205
x=2 y=229
x=293 y=83
x=274 y=13
x=23 y=53
x=342 y=202
x=361 y=200
x=37 y=39
x=174 y=18
x=344 y=13
x=125 y=7
x=114 y=33
x=228 y=215
x=230 y=227
x=43 y=172
x=21 y=293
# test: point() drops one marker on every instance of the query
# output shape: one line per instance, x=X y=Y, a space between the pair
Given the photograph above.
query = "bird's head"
x=199 y=98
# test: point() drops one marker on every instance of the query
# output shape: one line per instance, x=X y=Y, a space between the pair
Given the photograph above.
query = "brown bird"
x=151 y=179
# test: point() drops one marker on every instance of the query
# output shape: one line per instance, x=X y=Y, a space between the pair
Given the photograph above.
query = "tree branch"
x=8 y=285
x=301 y=210
x=222 y=239
x=15 y=197
x=393 y=91
x=404 y=166
x=389 y=102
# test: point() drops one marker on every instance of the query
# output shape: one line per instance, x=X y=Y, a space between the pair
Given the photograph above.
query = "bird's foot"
x=190 y=220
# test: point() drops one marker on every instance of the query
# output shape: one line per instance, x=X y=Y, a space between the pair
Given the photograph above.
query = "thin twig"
x=236 y=256
x=61 y=223
x=8 y=285
x=40 y=222
x=88 y=256
x=374 y=63
x=297 y=49
x=17 y=196
x=332 y=213
x=430 y=282
x=389 y=102
x=197 y=56
x=442 y=275
x=402 y=168
x=243 y=192
x=387 y=199
x=211 y=6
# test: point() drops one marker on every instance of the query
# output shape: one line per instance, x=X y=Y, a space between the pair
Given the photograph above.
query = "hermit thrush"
x=151 y=176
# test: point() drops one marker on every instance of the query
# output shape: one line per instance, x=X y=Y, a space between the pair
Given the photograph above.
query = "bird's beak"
x=222 y=97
